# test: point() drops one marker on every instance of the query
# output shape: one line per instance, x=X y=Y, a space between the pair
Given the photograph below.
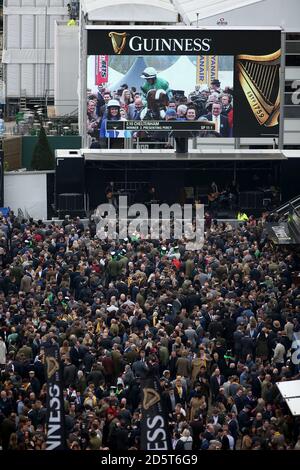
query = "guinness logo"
x=52 y=366
x=222 y=22
x=118 y=41
x=151 y=397
x=260 y=80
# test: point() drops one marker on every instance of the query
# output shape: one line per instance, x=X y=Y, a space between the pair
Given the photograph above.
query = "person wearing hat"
x=276 y=326
x=113 y=114
x=152 y=81
x=171 y=115
x=163 y=251
x=216 y=86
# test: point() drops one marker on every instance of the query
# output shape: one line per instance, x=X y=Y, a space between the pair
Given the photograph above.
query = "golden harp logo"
x=118 y=41
x=151 y=397
x=260 y=81
x=52 y=366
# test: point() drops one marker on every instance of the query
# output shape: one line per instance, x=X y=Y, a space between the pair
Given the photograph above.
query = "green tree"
x=42 y=157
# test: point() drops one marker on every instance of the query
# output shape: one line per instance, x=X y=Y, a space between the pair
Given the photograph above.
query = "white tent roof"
x=188 y=9
x=130 y=10
x=182 y=75
x=113 y=75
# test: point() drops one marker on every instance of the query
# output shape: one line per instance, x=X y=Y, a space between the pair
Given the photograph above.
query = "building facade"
x=28 y=50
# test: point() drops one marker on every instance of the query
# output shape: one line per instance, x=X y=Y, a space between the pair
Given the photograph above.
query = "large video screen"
x=150 y=84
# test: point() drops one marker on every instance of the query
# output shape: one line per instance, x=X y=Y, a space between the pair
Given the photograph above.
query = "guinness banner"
x=112 y=40
x=56 y=437
x=244 y=64
x=155 y=434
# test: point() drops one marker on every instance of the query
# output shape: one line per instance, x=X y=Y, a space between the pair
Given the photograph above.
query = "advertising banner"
x=229 y=77
x=56 y=436
x=155 y=434
x=213 y=68
x=101 y=69
x=202 y=69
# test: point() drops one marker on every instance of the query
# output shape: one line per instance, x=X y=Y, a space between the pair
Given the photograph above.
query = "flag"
x=213 y=68
x=56 y=434
x=202 y=69
x=155 y=434
x=101 y=69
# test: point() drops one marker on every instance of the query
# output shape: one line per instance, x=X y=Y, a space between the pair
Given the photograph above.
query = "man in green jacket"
x=154 y=82
x=122 y=260
x=113 y=266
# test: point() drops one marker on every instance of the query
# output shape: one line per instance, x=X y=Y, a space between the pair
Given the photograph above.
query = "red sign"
x=101 y=69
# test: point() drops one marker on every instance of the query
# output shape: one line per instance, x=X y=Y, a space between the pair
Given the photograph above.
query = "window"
x=293 y=47
x=293 y=36
x=292 y=111
x=292 y=60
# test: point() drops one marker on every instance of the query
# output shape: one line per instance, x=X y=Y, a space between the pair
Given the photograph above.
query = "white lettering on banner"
x=54 y=434
x=156 y=426
x=51 y=430
x=53 y=445
x=55 y=410
x=139 y=44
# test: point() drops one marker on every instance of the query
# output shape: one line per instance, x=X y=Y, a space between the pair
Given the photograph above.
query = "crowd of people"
x=216 y=326
x=210 y=103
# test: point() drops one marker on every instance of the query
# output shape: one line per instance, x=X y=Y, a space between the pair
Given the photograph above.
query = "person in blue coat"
x=113 y=114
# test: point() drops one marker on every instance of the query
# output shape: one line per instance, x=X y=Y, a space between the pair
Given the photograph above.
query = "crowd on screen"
x=205 y=103
x=216 y=326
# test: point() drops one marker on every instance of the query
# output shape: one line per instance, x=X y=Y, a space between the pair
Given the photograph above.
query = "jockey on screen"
x=154 y=82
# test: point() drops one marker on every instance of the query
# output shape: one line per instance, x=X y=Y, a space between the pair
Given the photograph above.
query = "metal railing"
x=285 y=208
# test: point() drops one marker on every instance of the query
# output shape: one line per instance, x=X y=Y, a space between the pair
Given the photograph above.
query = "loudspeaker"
x=69 y=175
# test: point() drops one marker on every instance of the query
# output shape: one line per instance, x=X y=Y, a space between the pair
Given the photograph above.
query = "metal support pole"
x=282 y=90
x=237 y=142
x=129 y=143
x=82 y=99
x=181 y=145
x=234 y=172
